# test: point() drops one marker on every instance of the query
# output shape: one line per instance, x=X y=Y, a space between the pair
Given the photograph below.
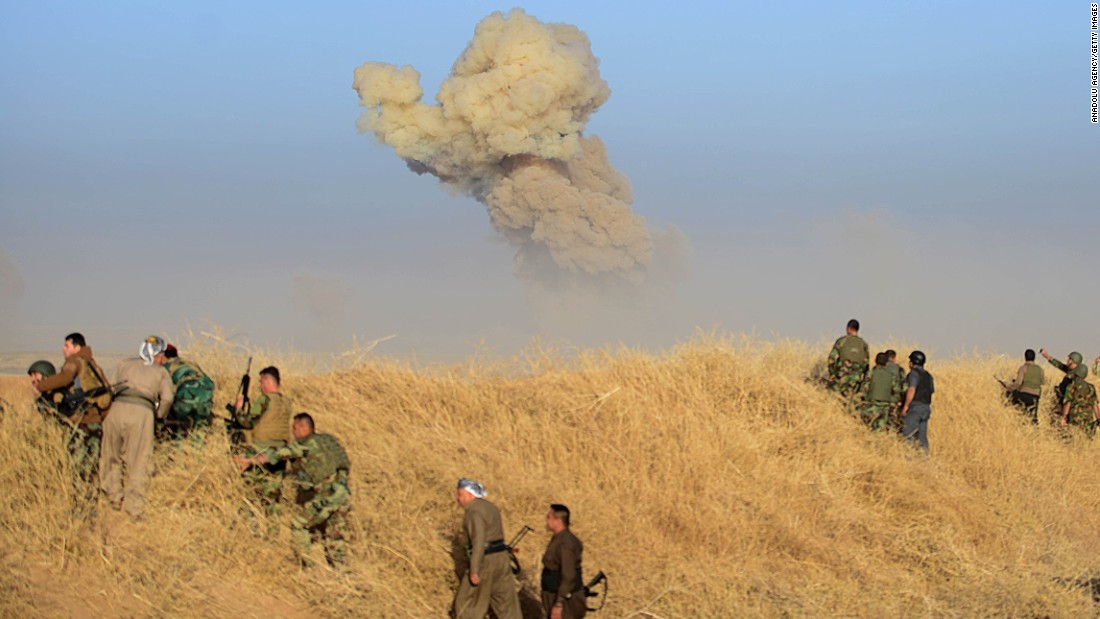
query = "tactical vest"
x=851 y=349
x=925 y=387
x=882 y=385
x=1033 y=378
x=274 y=424
x=324 y=458
x=92 y=378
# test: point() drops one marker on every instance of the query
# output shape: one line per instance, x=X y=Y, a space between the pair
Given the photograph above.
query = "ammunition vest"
x=925 y=387
x=325 y=456
x=1033 y=378
x=852 y=349
x=882 y=385
x=91 y=378
x=274 y=424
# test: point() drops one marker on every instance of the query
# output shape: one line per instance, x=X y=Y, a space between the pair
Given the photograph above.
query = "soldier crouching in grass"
x=319 y=467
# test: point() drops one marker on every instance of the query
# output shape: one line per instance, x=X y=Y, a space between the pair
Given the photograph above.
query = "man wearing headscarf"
x=488 y=582
x=128 y=429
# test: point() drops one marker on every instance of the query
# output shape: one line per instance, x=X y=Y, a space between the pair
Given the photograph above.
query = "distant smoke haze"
x=12 y=288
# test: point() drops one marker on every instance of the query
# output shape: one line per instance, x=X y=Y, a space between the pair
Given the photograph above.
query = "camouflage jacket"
x=1081 y=399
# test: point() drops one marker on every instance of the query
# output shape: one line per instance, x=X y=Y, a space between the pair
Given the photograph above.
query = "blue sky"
x=930 y=169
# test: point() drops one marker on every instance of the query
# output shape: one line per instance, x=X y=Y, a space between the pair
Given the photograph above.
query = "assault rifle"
x=512 y=548
x=590 y=592
x=1003 y=383
x=233 y=428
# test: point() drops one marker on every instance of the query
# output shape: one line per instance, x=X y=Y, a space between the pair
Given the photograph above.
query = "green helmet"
x=44 y=368
x=1076 y=357
x=1081 y=371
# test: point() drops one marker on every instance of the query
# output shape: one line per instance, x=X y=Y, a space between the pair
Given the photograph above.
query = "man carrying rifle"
x=1025 y=389
x=563 y=595
x=79 y=376
x=489 y=582
x=268 y=418
x=128 y=430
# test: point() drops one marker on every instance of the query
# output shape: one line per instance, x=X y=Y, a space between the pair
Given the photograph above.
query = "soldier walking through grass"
x=848 y=362
x=918 y=401
x=488 y=583
x=1026 y=388
x=562 y=581
x=128 y=429
x=269 y=421
x=319 y=469
x=1080 y=408
x=882 y=394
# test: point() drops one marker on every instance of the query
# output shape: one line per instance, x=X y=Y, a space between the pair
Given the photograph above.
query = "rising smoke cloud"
x=508 y=130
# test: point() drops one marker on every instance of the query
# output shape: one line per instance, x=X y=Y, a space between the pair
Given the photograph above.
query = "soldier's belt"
x=136 y=399
x=495 y=546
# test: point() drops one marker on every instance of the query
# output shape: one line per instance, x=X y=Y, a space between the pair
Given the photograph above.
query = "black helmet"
x=45 y=368
x=917 y=357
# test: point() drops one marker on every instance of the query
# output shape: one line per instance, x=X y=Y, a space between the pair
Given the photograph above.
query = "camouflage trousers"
x=266 y=482
x=879 y=416
x=1082 y=422
x=83 y=447
x=847 y=384
x=322 y=516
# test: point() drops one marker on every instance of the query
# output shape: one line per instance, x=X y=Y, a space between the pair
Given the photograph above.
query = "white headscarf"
x=152 y=347
x=472 y=487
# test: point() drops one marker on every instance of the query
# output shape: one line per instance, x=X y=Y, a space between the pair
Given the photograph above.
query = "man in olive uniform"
x=268 y=418
x=881 y=395
x=192 y=409
x=1080 y=408
x=79 y=376
x=848 y=361
x=128 y=431
x=319 y=467
x=1073 y=360
x=892 y=364
x=562 y=581
x=488 y=583
x=917 y=408
x=1025 y=389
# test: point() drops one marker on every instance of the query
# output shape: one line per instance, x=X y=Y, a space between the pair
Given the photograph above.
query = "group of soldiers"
x=887 y=398
x=114 y=422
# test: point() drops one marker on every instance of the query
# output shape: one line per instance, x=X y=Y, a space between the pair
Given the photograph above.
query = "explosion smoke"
x=508 y=130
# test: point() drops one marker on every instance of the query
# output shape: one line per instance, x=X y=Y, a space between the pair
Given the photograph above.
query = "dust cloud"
x=508 y=130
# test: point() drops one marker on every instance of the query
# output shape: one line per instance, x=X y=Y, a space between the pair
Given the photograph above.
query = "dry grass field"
x=713 y=480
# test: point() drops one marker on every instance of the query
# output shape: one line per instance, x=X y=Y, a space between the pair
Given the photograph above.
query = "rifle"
x=1003 y=383
x=600 y=577
x=512 y=548
x=233 y=428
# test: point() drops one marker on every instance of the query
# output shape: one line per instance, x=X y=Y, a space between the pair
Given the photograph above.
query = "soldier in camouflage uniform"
x=881 y=395
x=319 y=468
x=268 y=419
x=848 y=362
x=1080 y=408
x=193 y=407
x=79 y=375
x=1073 y=360
x=892 y=364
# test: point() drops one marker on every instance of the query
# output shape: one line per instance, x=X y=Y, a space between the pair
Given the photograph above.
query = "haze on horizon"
x=929 y=170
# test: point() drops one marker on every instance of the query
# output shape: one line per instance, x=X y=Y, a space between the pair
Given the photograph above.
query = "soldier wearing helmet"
x=50 y=402
x=918 y=400
x=1073 y=360
x=128 y=430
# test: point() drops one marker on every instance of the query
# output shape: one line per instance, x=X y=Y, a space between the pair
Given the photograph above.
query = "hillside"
x=714 y=480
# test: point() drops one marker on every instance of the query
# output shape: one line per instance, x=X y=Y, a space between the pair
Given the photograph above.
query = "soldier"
x=1080 y=408
x=48 y=403
x=193 y=406
x=80 y=375
x=488 y=582
x=319 y=466
x=1072 y=361
x=918 y=401
x=882 y=394
x=1024 y=390
x=128 y=430
x=562 y=581
x=269 y=420
x=891 y=364
x=848 y=361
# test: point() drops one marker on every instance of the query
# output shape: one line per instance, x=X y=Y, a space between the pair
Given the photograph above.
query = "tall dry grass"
x=714 y=480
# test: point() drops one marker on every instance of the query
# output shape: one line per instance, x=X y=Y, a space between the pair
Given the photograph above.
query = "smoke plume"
x=508 y=130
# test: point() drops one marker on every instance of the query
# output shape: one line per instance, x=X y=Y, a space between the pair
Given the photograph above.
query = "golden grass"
x=714 y=480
